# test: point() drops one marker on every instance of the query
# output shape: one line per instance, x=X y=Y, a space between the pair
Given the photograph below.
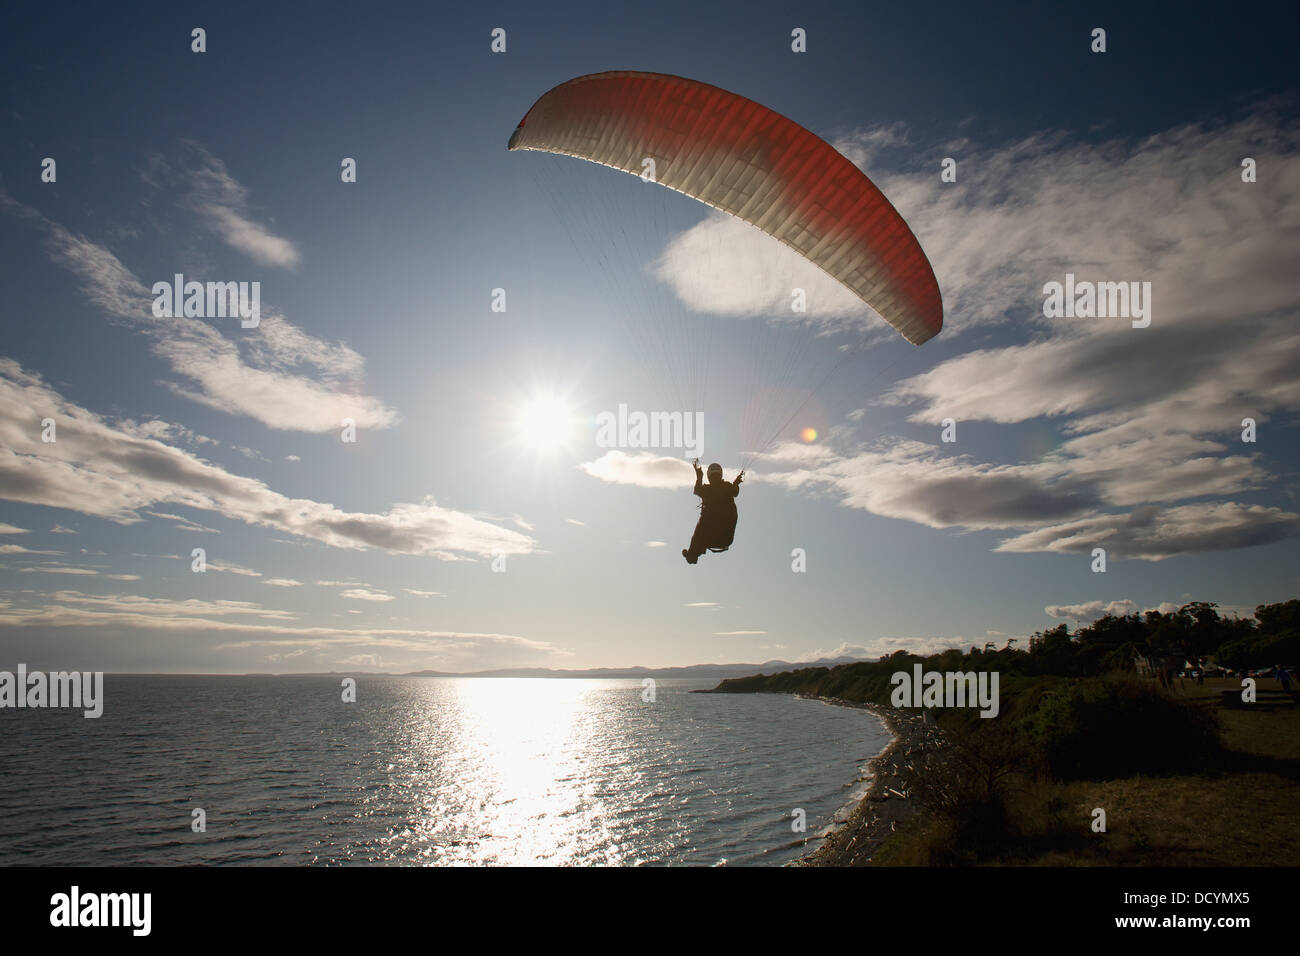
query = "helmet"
x=715 y=469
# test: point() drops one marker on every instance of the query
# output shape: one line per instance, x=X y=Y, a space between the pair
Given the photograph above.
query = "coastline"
x=886 y=802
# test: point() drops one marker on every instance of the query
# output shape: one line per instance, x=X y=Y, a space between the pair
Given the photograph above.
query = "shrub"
x=1115 y=726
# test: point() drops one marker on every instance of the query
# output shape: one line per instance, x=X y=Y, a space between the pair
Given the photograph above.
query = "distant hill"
x=703 y=671
x=694 y=670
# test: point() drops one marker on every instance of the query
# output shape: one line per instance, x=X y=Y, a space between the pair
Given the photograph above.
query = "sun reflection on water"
x=535 y=771
x=507 y=774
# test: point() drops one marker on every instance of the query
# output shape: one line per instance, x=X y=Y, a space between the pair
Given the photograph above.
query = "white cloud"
x=249 y=237
x=884 y=646
x=860 y=651
x=645 y=469
x=1150 y=418
x=918 y=482
x=113 y=474
x=168 y=431
x=183 y=523
x=276 y=374
x=862 y=146
x=228 y=567
x=222 y=205
x=1165 y=209
x=248 y=625
x=1092 y=610
x=724 y=266
x=57 y=569
x=1069 y=505
x=1153 y=534
x=74 y=608
x=363 y=594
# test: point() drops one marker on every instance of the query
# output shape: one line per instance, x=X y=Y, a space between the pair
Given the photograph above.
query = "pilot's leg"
x=699 y=542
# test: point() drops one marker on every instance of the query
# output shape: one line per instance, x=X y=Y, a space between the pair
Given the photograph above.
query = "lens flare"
x=809 y=435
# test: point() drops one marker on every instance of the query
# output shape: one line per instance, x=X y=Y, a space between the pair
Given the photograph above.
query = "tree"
x=1278 y=618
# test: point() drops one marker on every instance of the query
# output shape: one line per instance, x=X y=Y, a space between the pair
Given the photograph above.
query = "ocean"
x=422 y=771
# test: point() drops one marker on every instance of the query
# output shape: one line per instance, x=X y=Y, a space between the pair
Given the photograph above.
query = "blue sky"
x=176 y=434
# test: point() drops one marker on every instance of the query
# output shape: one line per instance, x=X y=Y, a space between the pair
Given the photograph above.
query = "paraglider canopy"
x=753 y=163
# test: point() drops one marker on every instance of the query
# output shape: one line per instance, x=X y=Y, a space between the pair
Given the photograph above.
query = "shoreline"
x=886 y=803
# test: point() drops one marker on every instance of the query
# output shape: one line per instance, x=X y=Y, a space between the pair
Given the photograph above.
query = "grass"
x=1239 y=819
x=1241 y=813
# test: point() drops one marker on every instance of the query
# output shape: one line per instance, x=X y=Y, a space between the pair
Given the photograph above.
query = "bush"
x=1114 y=726
x=965 y=782
x=1261 y=651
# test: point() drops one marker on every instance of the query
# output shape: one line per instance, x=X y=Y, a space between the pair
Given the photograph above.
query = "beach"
x=887 y=802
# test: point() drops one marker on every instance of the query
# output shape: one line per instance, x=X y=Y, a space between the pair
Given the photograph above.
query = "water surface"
x=425 y=771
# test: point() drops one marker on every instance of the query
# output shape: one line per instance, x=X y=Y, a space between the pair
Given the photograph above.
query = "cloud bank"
x=97 y=468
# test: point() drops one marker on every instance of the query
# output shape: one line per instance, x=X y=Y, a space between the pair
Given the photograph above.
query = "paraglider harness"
x=700 y=508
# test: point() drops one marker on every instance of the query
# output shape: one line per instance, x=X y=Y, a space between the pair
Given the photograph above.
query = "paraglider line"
x=749 y=460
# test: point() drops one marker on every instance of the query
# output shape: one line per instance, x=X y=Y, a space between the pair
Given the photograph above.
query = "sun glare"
x=545 y=423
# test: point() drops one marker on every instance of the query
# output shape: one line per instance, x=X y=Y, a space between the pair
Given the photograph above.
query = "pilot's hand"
x=740 y=477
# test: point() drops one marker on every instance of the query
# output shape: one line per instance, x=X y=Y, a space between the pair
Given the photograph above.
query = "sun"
x=545 y=423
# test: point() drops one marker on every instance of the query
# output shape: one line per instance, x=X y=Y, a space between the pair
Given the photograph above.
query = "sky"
x=476 y=521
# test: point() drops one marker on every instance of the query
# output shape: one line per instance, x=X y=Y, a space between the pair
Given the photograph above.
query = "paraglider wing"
x=744 y=159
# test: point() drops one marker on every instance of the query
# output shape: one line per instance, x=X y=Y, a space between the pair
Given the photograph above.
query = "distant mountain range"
x=694 y=670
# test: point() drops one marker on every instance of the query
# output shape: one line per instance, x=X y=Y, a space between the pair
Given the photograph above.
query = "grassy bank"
x=1182 y=781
